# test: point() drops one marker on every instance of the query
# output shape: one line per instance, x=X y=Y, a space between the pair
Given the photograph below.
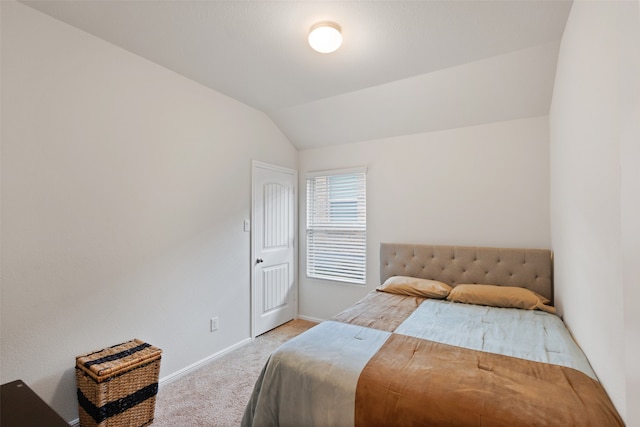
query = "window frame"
x=336 y=233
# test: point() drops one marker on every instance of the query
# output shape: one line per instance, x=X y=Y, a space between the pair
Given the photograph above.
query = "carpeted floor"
x=216 y=394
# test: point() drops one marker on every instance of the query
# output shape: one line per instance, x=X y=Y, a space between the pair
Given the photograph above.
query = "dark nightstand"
x=21 y=407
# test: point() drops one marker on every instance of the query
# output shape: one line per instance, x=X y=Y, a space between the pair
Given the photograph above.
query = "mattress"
x=400 y=360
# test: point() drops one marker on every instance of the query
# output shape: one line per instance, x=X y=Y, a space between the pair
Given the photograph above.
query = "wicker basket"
x=117 y=386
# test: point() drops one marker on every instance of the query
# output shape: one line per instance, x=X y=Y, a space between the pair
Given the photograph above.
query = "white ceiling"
x=404 y=66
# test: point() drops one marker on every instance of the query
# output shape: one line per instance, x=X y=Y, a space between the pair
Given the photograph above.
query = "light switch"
x=247 y=225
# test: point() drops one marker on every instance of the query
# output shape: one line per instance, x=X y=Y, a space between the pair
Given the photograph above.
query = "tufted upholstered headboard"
x=527 y=268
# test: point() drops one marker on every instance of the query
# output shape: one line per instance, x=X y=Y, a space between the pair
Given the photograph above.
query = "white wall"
x=595 y=197
x=629 y=89
x=484 y=185
x=124 y=189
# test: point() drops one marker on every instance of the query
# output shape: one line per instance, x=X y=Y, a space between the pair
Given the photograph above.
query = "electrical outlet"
x=213 y=323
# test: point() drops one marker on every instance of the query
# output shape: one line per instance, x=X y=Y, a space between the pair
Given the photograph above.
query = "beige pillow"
x=413 y=286
x=500 y=296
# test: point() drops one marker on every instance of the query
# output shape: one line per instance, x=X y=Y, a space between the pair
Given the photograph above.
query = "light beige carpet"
x=216 y=394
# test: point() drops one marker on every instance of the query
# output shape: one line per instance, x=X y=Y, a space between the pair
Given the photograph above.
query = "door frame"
x=262 y=165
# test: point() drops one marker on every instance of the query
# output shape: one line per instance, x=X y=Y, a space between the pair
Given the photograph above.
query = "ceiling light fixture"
x=325 y=37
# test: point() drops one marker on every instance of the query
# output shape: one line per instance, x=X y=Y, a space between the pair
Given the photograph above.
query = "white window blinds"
x=337 y=225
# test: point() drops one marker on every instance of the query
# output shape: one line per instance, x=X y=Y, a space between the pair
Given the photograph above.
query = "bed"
x=454 y=336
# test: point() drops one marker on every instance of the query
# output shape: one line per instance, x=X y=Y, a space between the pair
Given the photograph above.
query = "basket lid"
x=111 y=360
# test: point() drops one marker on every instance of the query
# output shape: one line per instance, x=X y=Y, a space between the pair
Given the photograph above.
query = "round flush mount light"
x=325 y=37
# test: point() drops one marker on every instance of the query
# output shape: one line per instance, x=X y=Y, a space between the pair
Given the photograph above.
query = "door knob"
x=259 y=260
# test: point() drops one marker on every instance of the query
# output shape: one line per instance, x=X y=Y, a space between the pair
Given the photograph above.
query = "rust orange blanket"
x=414 y=382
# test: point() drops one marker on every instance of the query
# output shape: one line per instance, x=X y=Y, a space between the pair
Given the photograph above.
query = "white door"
x=273 y=247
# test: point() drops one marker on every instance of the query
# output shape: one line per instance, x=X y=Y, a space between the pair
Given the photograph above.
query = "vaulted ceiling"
x=404 y=67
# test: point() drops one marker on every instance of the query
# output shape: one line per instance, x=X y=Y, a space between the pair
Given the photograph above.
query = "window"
x=337 y=225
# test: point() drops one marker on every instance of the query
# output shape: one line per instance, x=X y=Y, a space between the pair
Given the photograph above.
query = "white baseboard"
x=184 y=371
x=311 y=319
